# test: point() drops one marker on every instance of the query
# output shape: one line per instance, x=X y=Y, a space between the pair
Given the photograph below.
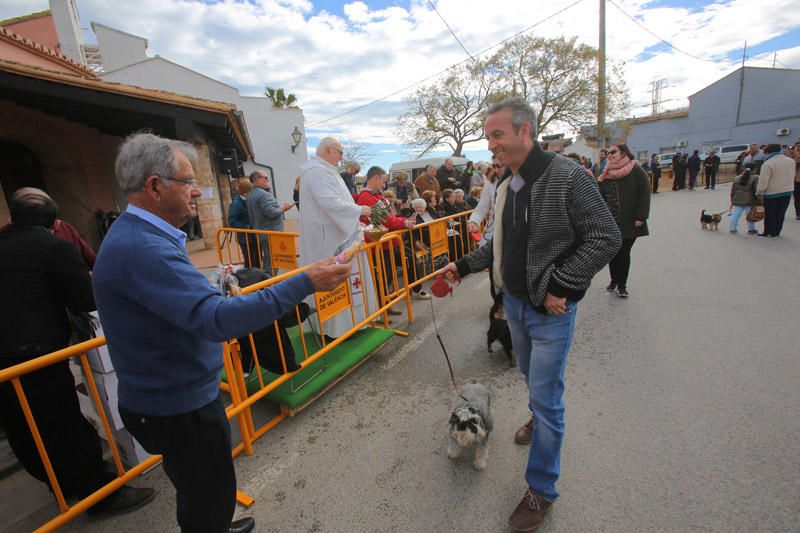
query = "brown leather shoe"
x=393 y=312
x=530 y=512
x=523 y=434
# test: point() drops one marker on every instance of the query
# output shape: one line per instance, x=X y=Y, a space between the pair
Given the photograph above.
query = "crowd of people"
x=585 y=216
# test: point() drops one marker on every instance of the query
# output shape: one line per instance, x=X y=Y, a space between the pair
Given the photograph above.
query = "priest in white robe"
x=328 y=216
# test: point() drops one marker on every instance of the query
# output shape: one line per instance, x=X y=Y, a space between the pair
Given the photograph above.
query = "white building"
x=124 y=60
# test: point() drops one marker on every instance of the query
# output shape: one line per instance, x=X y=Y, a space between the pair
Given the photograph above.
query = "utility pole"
x=601 y=79
x=774 y=58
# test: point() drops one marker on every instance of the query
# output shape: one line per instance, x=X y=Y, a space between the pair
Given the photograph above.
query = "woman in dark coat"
x=625 y=187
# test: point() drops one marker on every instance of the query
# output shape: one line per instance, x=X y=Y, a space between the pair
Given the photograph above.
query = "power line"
x=451 y=30
x=359 y=108
x=656 y=36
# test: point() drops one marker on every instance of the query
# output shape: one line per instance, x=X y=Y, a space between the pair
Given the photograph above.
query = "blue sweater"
x=164 y=322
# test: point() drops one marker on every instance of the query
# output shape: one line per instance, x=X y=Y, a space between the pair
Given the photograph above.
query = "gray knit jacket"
x=571 y=234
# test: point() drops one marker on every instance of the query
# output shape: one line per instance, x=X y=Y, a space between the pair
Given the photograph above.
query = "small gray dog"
x=471 y=423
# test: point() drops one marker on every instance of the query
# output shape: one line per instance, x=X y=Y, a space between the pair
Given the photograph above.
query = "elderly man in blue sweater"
x=164 y=324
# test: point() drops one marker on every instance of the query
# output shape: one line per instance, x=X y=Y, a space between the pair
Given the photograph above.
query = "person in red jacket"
x=371 y=194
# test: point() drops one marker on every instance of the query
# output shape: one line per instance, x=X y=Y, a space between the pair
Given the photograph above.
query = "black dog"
x=498 y=331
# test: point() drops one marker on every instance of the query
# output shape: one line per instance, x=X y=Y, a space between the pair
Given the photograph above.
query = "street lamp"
x=296 y=136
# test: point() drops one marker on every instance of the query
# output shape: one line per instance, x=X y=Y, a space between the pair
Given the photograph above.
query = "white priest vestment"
x=328 y=215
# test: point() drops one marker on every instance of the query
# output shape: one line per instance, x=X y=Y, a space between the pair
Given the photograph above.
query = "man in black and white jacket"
x=553 y=233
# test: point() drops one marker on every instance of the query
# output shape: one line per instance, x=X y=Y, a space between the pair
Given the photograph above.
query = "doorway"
x=19 y=167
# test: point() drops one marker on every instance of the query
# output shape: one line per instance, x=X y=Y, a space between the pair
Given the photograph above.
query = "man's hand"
x=366 y=211
x=472 y=227
x=408 y=223
x=450 y=271
x=325 y=276
x=287 y=206
x=638 y=223
x=555 y=305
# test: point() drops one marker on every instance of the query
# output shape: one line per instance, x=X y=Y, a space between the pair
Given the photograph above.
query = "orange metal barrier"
x=67 y=512
x=244 y=246
x=370 y=262
x=14 y=373
x=384 y=263
x=436 y=243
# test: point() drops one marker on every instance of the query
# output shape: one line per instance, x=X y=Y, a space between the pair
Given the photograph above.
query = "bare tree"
x=449 y=112
x=558 y=77
x=356 y=152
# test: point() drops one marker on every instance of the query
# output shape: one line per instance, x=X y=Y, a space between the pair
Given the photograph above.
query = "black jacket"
x=42 y=275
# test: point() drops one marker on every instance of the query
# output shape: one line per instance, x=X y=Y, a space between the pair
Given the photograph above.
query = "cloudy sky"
x=337 y=57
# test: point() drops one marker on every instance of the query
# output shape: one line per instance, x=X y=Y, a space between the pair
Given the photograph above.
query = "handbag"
x=756 y=214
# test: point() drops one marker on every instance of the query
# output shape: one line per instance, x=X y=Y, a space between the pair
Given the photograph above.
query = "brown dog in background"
x=710 y=221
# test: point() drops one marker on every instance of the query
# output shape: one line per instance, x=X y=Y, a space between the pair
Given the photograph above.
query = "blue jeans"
x=541 y=344
x=736 y=212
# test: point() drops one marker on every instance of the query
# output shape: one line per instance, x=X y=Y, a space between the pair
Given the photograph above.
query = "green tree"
x=279 y=99
x=558 y=77
x=450 y=111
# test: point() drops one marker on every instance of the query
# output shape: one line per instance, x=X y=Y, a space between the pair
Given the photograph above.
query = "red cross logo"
x=282 y=246
x=356 y=282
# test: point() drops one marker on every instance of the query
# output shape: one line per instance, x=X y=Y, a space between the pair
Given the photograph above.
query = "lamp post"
x=296 y=136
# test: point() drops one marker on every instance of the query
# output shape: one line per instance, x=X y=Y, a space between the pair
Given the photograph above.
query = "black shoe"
x=612 y=286
x=622 y=291
x=244 y=525
x=752 y=231
x=123 y=501
x=765 y=235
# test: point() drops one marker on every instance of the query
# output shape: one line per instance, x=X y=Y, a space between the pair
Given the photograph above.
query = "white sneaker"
x=421 y=295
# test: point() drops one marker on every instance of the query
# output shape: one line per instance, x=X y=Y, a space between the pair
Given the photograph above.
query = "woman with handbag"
x=743 y=199
x=625 y=187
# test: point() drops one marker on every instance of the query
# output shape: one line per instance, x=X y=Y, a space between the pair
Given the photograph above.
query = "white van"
x=417 y=166
x=665 y=160
x=728 y=154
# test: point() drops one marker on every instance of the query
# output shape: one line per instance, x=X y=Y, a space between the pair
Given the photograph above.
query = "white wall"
x=159 y=73
x=270 y=130
x=271 y=135
x=119 y=49
x=65 y=18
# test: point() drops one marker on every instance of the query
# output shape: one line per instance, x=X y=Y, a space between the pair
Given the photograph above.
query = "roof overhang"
x=119 y=109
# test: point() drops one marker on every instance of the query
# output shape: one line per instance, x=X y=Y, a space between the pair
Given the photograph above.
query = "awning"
x=119 y=109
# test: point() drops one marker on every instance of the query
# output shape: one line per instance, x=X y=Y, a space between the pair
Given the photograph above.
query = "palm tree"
x=280 y=100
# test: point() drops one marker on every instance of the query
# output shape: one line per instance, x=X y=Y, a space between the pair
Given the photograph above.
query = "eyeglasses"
x=191 y=182
x=612 y=152
x=340 y=152
x=495 y=165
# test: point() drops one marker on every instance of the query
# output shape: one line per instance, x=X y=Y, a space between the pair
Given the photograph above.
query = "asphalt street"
x=682 y=407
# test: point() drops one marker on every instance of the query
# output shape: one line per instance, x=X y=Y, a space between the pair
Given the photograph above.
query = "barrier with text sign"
x=246 y=246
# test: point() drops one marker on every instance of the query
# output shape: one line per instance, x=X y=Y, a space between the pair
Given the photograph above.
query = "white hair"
x=143 y=154
x=419 y=202
x=325 y=143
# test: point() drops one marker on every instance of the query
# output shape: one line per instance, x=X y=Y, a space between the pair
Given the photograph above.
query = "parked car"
x=727 y=153
x=665 y=160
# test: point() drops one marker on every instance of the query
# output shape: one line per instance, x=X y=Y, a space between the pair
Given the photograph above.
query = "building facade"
x=749 y=105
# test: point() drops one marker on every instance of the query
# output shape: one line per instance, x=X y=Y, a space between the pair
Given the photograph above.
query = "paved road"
x=681 y=401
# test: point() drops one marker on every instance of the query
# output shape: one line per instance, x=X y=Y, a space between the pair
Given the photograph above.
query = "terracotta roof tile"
x=39 y=49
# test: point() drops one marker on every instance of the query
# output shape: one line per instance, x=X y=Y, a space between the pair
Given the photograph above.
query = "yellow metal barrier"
x=435 y=244
x=375 y=266
x=244 y=246
x=67 y=512
x=391 y=285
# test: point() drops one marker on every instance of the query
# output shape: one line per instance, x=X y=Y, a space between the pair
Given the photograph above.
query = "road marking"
x=420 y=338
x=410 y=346
x=267 y=477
